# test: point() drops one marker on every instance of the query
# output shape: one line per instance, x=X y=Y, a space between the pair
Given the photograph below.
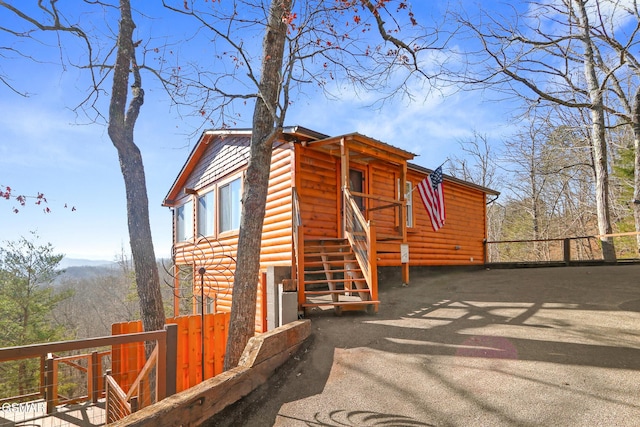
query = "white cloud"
x=430 y=126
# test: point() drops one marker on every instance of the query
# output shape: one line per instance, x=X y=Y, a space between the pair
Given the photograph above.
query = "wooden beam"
x=403 y=219
x=344 y=175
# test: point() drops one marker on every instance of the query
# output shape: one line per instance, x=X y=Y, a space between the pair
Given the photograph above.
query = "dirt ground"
x=522 y=347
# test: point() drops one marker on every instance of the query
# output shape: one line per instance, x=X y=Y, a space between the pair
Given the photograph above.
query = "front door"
x=356 y=184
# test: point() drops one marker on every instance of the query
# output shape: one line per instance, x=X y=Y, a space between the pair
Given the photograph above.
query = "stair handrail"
x=296 y=218
x=144 y=376
x=298 y=244
x=359 y=233
x=117 y=406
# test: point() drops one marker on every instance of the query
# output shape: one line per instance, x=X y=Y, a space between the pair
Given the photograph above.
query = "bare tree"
x=524 y=159
x=550 y=186
x=306 y=46
x=266 y=125
x=477 y=163
x=124 y=109
x=122 y=120
x=622 y=68
x=550 y=54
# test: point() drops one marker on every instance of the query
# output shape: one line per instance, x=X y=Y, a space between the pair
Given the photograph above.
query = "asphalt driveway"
x=526 y=347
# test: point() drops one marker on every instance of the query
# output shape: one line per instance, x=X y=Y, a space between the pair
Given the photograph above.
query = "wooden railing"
x=94 y=362
x=117 y=405
x=298 y=246
x=361 y=236
x=164 y=363
x=559 y=250
x=388 y=203
x=142 y=393
x=87 y=365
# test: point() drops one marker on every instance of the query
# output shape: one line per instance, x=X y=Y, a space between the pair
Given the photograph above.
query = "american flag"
x=430 y=190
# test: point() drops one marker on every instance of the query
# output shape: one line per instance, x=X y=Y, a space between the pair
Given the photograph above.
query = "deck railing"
x=142 y=393
x=298 y=246
x=559 y=250
x=382 y=203
x=361 y=236
x=298 y=238
x=89 y=364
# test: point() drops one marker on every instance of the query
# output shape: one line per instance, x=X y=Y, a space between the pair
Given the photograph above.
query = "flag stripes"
x=432 y=197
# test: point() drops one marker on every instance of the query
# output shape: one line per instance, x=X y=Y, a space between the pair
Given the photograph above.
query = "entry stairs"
x=332 y=277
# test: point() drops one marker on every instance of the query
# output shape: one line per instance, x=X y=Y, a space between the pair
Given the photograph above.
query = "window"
x=206 y=214
x=229 y=205
x=184 y=222
x=184 y=289
x=408 y=197
x=208 y=304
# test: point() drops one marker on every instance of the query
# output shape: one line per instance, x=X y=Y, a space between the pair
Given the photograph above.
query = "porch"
x=336 y=265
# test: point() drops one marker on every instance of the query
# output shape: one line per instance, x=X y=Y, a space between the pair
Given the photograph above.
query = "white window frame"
x=206 y=216
x=209 y=304
x=184 y=227
x=408 y=197
x=220 y=204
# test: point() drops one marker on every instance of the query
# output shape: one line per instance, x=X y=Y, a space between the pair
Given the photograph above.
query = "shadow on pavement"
x=467 y=348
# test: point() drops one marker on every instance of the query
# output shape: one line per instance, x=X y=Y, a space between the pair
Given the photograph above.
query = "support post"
x=373 y=264
x=161 y=370
x=275 y=276
x=344 y=178
x=302 y=298
x=42 y=376
x=403 y=221
x=94 y=377
x=404 y=259
x=171 y=361
x=49 y=386
x=567 y=251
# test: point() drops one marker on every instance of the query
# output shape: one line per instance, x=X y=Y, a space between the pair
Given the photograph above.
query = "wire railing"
x=560 y=250
x=67 y=378
x=361 y=236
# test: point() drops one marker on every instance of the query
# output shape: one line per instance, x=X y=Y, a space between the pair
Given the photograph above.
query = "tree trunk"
x=636 y=164
x=598 y=141
x=265 y=130
x=121 y=126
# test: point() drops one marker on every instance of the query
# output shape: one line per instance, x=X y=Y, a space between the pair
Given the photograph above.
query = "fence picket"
x=127 y=362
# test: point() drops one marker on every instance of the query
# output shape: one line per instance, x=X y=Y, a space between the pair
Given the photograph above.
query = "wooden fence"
x=128 y=359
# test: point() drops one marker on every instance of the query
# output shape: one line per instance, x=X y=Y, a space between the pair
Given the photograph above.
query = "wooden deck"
x=34 y=413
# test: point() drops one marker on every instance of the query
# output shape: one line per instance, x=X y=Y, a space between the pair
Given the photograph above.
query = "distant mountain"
x=77 y=262
x=86 y=272
x=75 y=269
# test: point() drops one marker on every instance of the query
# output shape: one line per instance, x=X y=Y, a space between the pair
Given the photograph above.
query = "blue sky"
x=44 y=149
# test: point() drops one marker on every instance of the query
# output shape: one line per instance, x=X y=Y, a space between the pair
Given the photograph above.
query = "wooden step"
x=332 y=254
x=325 y=239
x=328 y=245
x=331 y=261
x=328 y=303
x=341 y=270
x=338 y=291
x=348 y=279
x=324 y=259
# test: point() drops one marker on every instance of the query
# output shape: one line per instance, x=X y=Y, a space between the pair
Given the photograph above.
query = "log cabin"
x=338 y=209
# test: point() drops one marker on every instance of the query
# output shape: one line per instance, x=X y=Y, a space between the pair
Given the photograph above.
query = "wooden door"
x=356 y=184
